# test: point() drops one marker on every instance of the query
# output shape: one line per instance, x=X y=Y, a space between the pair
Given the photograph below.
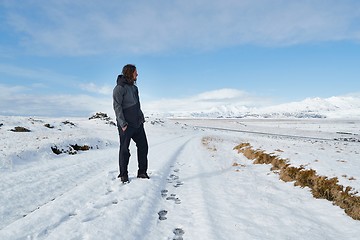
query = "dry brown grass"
x=321 y=186
x=235 y=164
x=206 y=141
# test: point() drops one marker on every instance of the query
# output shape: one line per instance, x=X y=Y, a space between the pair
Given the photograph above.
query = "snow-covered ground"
x=200 y=188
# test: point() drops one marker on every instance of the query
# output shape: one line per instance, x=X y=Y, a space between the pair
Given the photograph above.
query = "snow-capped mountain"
x=333 y=107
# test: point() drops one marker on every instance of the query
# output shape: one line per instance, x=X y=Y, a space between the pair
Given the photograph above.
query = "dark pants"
x=139 y=137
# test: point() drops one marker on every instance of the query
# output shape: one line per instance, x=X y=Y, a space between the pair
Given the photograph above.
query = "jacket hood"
x=121 y=80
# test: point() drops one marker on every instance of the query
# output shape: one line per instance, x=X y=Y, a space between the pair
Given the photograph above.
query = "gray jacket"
x=126 y=104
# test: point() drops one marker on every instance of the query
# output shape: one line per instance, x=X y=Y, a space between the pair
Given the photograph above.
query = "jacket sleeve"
x=142 y=118
x=118 y=97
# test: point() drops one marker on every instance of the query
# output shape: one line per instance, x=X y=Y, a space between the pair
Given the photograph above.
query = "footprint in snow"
x=174 y=198
x=178 y=184
x=162 y=215
x=112 y=175
x=164 y=193
x=172 y=178
x=178 y=234
x=72 y=214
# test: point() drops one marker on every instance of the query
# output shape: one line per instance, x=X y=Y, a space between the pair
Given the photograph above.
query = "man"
x=130 y=122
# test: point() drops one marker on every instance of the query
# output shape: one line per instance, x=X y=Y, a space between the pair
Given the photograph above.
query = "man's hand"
x=124 y=128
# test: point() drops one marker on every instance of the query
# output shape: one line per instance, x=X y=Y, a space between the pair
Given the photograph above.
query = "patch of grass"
x=103 y=116
x=288 y=174
x=80 y=148
x=20 y=129
x=56 y=150
x=48 y=125
x=321 y=186
x=69 y=123
x=71 y=149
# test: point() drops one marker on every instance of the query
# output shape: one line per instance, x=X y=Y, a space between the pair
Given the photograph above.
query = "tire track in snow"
x=63 y=176
x=73 y=208
x=185 y=210
x=141 y=198
x=63 y=205
x=149 y=217
x=275 y=134
x=197 y=191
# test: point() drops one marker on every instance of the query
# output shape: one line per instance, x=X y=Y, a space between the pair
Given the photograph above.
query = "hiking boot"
x=124 y=179
x=143 y=175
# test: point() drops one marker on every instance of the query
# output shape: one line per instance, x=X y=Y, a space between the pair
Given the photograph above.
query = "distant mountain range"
x=333 y=107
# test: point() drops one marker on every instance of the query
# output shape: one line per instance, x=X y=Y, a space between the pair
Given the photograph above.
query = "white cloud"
x=89 y=27
x=353 y=94
x=15 y=100
x=92 y=87
x=205 y=101
x=224 y=94
x=36 y=75
x=9 y=91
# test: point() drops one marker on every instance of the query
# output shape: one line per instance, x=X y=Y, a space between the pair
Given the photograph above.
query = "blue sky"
x=62 y=57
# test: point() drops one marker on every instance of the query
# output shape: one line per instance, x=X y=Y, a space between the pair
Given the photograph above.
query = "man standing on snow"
x=130 y=122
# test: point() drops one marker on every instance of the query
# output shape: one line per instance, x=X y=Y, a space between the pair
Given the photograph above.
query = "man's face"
x=135 y=74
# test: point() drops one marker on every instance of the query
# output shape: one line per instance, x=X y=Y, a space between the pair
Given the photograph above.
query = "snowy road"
x=195 y=192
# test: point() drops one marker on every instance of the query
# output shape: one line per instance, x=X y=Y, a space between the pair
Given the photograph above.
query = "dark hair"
x=128 y=72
